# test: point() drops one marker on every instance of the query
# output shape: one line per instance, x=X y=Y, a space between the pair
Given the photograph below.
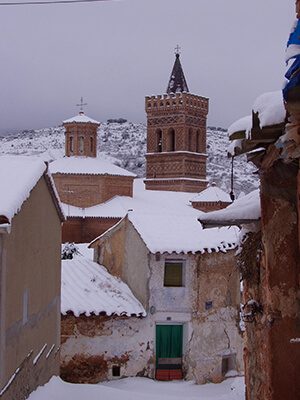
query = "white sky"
x=115 y=53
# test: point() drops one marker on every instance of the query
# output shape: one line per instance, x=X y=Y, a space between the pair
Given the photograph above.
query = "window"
x=208 y=305
x=92 y=144
x=228 y=363
x=81 y=144
x=71 y=144
x=171 y=140
x=159 y=140
x=190 y=140
x=116 y=370
x=173 y=275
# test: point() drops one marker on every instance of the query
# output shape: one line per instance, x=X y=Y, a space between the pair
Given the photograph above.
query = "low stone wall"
x=31 y=373
x=97 y=347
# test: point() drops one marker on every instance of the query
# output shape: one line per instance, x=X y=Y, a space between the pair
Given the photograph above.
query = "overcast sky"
x=115 y=53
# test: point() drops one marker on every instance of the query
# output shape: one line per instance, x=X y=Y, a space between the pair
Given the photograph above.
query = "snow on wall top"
x=212 y=194
x=81 y=118
x=241 y=125
x=164 y=233
x=86 y=165
x=87 y=288
x=18 y=176
x=244 y=208
x=270 y=108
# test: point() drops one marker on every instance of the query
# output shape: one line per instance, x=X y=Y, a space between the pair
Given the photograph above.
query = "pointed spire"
x=177 y=82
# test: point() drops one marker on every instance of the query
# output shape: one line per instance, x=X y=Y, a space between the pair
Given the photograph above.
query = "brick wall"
x=82 y=190
x=84 y=230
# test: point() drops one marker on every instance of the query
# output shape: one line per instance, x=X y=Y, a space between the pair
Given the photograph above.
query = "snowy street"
x=142 y=389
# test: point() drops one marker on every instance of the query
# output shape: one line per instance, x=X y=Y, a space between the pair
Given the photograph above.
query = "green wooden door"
x=168 y=347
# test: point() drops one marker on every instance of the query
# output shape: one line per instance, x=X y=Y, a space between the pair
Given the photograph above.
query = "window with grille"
x=173 y=276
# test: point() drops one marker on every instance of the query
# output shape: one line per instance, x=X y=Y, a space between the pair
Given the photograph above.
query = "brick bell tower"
x=81 y=135
x=176 y=137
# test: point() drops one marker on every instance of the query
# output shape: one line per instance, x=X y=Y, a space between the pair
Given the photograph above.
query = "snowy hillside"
x=125 y=145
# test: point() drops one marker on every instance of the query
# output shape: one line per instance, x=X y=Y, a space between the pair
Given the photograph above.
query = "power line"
x=26 y=3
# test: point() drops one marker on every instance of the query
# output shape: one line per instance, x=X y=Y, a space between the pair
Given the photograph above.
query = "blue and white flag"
x=293 y=45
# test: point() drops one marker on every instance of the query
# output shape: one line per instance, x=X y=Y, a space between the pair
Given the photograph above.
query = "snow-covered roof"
x=18 y=176
x=212 y=194
x=81 y=118
x=155 y=200
x=241 y=125
x=270 y=108
x=86 y=165
x=245 y=209
x=163 y=233
x=87 y=288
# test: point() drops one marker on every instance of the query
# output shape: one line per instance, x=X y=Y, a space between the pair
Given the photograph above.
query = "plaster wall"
x=31 y=276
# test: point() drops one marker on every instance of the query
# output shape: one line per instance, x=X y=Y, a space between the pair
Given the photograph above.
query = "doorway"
x=169 y=352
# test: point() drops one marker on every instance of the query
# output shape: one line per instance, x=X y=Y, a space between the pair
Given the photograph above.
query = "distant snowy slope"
x=125 y=145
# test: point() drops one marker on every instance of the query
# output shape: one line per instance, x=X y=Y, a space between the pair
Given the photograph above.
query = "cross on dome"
x=81 y=104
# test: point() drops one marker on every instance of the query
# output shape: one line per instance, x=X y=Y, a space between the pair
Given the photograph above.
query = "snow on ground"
x=142 y=389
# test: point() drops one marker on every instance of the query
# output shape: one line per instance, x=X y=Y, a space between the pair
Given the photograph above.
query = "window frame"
x=170 y=262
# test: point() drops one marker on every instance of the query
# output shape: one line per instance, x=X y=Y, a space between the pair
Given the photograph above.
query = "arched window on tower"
x=159 y=140
x=197 y=141
x=71 y=144
x=171 y=140
x=92 y=144
x=81 y=144
x=190 y=140
x=201 y=142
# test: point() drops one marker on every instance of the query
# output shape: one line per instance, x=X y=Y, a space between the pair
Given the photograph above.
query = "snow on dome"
x=18 y=176
x=86 y=165
x=241 y=125
x=246 y=208
x=181 y=234
x=212 y=194
x=270 y=108
x=87 y=288
x=81 y=118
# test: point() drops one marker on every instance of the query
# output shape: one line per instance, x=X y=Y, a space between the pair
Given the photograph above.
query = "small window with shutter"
x=173 y=276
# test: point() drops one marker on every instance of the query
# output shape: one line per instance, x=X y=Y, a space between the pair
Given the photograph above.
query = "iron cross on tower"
x=81 y=104
x=178 y=50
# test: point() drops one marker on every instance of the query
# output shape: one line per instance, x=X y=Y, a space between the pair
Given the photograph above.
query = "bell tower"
x=176 y=137
x=81 y=135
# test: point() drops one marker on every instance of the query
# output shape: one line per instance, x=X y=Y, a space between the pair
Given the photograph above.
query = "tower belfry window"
x=171 y=140
x=190 y=140
x=81 y=144
x=159 y=140
x=71 y=144
x=92 y=144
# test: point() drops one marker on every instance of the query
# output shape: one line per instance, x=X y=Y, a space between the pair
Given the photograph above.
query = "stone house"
x=30 y=237
x=269 y=256
x=188 y=284
x=102 y=324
